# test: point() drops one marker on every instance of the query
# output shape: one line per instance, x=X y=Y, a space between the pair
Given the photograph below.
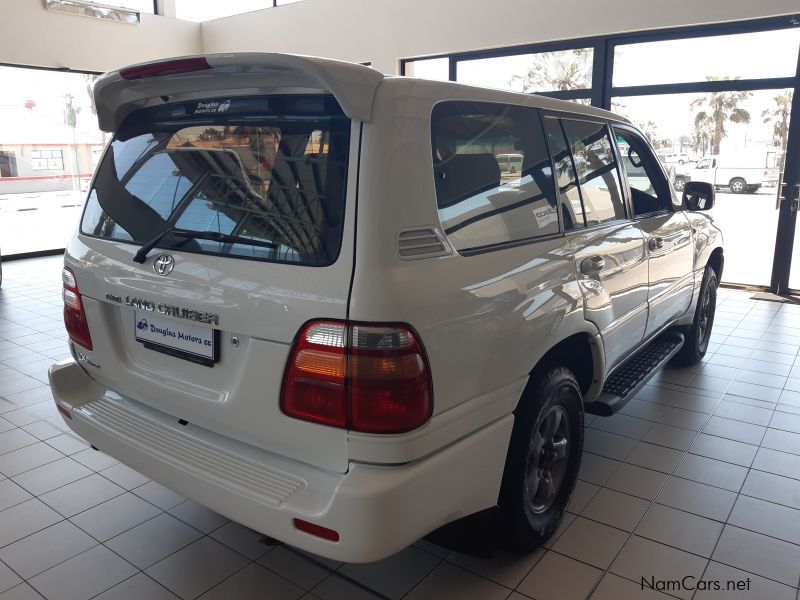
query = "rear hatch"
x=245 y=200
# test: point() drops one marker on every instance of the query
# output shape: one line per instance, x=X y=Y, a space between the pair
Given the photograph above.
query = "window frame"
x=625 y=199
x=673 y=205
x=39 y=151
x=539 y=122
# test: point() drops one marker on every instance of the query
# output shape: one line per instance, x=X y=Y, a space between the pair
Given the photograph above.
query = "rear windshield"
x=271 y=171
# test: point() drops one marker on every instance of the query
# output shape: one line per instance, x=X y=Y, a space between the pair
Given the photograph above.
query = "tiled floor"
x=699 y=476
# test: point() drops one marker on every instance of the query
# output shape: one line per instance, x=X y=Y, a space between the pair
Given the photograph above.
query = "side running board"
x=631 y=376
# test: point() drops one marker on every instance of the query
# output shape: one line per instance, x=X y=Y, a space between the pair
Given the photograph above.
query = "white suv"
x=309 y=297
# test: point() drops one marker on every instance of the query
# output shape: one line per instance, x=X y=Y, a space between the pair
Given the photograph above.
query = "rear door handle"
x=592 y=265
x=656 y=243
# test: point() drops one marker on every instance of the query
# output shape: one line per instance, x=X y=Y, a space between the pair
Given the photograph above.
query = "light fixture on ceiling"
x=86 y=8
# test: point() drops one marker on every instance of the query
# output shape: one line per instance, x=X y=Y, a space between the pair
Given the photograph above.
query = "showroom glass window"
x=192 y=10
x=437 y=69
x=494 y=181
x=754 y=55
x=49 y=141
x=559 y=70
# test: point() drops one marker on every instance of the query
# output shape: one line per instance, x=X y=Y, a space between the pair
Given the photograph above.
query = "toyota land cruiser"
x=309 y=296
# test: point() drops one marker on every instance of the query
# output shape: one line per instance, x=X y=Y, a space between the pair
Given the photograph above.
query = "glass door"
x=718 y=109
x=787 y=249
x=739 y=149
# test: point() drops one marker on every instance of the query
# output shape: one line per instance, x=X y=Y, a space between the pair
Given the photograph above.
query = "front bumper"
x=377 y=510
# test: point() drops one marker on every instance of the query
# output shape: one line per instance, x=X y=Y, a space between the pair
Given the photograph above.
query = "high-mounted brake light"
x=167 y=67
x=362 y=376
x=74 y=315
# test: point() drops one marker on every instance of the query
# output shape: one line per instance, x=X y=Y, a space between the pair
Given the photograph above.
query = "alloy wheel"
x=547 y=459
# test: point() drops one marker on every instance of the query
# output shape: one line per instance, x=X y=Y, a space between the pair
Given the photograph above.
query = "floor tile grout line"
x=647 y=511
x=744 y=481
x=651 y=501
x=733 y=505
x=730 y=512
x=65 y=518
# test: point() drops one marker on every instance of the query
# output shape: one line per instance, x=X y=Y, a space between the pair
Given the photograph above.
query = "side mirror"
x=698 y=195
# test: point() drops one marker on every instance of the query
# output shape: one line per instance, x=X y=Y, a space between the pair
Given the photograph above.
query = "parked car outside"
x=679 y=158
x=736 y=173
x=325 y=312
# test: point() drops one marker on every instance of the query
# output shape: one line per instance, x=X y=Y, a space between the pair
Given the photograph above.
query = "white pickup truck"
x=741 y=175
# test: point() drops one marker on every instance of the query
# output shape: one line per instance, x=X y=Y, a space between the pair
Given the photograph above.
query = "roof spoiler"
x=119 y=93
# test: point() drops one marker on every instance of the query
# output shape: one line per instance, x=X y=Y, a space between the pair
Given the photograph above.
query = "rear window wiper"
x=215 y=236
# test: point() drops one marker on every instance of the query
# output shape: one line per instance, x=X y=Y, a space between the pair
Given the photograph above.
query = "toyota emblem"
x=163 y=264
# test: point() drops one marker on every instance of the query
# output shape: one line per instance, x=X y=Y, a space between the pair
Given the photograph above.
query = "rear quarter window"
x=269 y=169
x=493 y=177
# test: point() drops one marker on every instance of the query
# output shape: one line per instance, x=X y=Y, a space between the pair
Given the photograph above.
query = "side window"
x=571 y=205
x=649 y=188
x=494 y=183
x=596 y=168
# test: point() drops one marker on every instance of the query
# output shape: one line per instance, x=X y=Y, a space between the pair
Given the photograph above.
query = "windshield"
x=267 y=169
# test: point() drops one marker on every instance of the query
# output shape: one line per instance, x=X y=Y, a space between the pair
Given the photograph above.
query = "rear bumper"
x=377 y=510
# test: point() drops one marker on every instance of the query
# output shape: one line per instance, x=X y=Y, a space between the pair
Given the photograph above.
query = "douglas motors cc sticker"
x=212 y=106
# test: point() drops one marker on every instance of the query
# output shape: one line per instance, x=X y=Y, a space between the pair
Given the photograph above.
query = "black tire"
x=679 y=183
x=698 y=334
x=551 y=407
x=737 y=185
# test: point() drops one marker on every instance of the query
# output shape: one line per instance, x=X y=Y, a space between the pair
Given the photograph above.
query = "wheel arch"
x=717 y=261
x=581 y=353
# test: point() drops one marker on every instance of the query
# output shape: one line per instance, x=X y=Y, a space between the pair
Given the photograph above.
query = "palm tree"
x=564 y=70
x=717 y=108
x=779 y=117
x=703 y=130
x=650 y=130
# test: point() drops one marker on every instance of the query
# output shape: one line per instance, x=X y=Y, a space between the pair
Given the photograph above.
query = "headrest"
x=464 y=175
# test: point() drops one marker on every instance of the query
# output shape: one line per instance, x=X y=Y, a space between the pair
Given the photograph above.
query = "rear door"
x=202 y=329
x=609 y=249
x=666 y=230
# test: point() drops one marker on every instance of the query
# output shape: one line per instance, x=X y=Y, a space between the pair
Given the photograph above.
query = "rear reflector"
x=169 y=67
x=74 y=315
x=361 y=376
x=317 y=530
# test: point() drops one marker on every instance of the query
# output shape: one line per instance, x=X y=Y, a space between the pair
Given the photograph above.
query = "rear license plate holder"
x=187 y=341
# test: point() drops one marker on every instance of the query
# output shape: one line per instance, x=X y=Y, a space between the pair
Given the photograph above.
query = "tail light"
x=360 y=376
x=167 y=67
x=74 y=315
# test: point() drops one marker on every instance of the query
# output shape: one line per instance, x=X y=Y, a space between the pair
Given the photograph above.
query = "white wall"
x=31 y=35
x=379 y=31
x=384 y=31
